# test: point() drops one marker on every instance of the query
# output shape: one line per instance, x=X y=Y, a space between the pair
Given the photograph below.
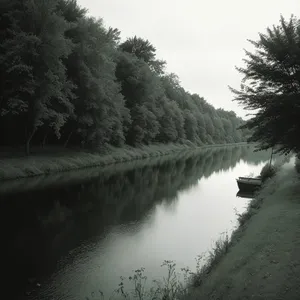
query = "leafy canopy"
x=271 y=87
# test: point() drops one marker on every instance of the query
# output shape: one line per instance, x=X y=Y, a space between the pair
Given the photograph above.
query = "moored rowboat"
x=248 y=184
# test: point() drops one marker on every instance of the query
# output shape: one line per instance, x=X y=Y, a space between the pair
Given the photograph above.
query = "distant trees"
x=67 y=80
x=271 y=86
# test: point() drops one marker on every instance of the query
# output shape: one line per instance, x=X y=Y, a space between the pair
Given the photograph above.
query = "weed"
x=210 y=260
x=170 y=287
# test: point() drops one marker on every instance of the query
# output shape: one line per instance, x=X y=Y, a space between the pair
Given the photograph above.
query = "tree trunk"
x=29 y=140
x=67 y=141
x=45 y=139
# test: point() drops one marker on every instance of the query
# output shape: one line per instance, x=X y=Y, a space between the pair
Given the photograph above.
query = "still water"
x=77 y=237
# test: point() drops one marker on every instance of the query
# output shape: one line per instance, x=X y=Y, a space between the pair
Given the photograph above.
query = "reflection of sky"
x=177 y=231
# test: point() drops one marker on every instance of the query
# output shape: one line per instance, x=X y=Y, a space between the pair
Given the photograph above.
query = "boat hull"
x=248 y=185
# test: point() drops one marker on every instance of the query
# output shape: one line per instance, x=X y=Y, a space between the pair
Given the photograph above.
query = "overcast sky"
x=202 y=41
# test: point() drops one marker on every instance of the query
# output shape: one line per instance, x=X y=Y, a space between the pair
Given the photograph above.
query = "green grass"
x=82 y=175
x=40 y=164
x=59 y=160
x=211 y=260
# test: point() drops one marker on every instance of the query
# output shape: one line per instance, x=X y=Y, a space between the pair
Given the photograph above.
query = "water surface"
x=77 y=238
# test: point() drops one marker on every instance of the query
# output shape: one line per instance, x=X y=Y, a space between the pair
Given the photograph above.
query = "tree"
x=33 y=77
x=271 y=87
x=190 y=126
x=142 y=91
x=169 y=121
x=143 y=49
x=209 y=125
x=99 y=106
x=66 y=79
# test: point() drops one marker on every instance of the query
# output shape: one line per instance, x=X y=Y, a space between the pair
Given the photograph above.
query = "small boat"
x=248 y=195
x=248 y=184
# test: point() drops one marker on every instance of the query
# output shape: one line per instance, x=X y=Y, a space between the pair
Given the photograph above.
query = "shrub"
x=267 y=171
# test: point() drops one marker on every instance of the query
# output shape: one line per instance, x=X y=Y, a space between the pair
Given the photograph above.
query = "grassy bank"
x=82 y=175
x=262 y=259
x=59 y=160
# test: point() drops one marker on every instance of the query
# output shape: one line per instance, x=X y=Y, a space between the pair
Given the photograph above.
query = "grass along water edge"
x=66 y=160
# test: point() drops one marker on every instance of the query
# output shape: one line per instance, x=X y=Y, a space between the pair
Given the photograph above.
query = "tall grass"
x=207 y=262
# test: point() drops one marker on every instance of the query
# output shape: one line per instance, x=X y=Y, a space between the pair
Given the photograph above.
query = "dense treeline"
x=67 y=80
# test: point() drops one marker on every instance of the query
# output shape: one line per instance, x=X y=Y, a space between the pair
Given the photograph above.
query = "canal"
x=73 y=238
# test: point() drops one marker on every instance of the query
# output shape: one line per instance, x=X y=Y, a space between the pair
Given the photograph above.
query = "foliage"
x=268 y=171
x=66 y=80
x=35 y=91
x=271 y=87
x=144 y=50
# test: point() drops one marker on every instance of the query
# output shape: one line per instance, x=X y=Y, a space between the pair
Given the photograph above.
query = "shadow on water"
x=41 y=224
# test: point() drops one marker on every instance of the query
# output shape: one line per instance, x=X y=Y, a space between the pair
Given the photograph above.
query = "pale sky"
x=201 y=41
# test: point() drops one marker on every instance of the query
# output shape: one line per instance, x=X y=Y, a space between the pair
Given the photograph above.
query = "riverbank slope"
x=264 y=259
x=48 y=161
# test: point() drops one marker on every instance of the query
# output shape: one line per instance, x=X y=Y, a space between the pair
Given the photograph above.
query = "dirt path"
x=265 y=263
